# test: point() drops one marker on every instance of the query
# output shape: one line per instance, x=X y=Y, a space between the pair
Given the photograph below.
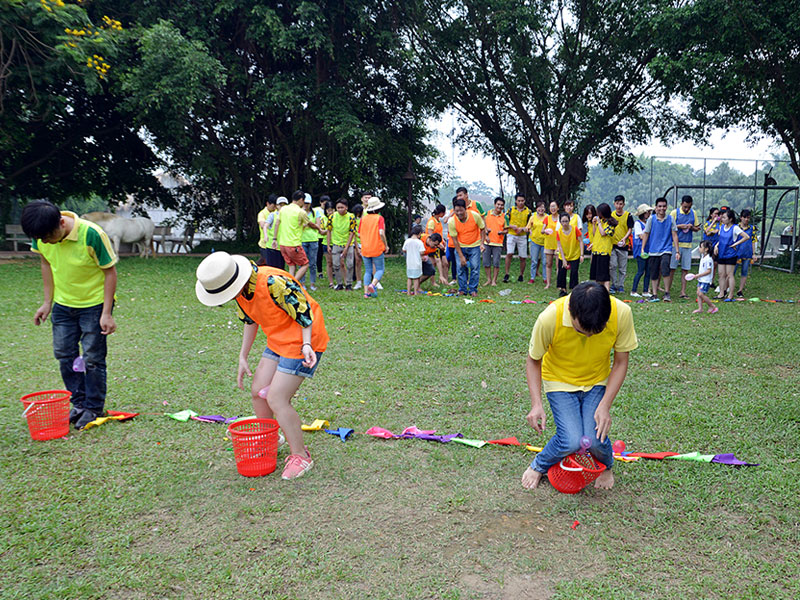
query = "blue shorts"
x=746 y=266
x=703 y=287
x=292 y=366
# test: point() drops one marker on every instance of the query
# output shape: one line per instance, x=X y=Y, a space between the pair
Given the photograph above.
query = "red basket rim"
x=30 y=398
x=599 y=467
x=233 y=427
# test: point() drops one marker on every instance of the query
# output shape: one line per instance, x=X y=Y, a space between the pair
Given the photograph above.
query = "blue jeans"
x=469 y=274
x=573 y=413
x=73 y=325
x=374 y=267
x=537 y=259
x=311 y=249
x=452 y=258
x=642 y=268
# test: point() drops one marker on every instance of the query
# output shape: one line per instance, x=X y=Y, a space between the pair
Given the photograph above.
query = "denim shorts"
x=703 y=287
x=292 y=366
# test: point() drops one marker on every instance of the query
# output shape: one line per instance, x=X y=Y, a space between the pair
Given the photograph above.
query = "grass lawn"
x=154 y=508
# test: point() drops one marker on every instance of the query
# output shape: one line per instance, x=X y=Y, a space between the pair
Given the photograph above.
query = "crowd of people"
x=451 y=246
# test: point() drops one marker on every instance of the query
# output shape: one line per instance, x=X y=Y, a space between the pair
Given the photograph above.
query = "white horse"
x=138 y=230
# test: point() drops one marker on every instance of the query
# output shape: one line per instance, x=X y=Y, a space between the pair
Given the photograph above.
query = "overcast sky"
x=731 y=145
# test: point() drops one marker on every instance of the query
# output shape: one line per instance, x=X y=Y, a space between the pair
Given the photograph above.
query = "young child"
x=80 y=280
x=296 y=339
x=602 y=242
x=495 y=233
x=414 y=249
x=570 y=254
x=705 y=274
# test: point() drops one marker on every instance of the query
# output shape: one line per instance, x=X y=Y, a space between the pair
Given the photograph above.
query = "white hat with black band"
x=220 y=277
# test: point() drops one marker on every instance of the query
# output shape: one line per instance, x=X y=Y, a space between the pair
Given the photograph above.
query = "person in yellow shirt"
x=535 y=227
x=270 y=256
x=619 y=249
x=79 y=278
x=517 y=240
x=569 y=357
x=570 y=254
x=550 y=227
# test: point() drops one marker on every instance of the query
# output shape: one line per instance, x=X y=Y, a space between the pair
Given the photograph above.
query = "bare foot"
x=531 y=479
x=547 y=286
x=485 y=283
x=605 y=481
x=494 y=284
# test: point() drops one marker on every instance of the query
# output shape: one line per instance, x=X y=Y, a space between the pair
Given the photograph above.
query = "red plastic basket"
x=47 y=414
x=574 y=472
x=255 y=446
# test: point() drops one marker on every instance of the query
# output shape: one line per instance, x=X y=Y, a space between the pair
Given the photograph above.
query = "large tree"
x=544 y=85
x=247 y=98
x=60 y=132
x=738 y=63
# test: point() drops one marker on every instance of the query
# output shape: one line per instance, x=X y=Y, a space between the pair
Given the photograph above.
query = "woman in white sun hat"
x=296 y=338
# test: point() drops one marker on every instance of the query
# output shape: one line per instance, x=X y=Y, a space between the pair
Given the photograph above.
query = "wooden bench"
x=186 y=241
x=15 y=235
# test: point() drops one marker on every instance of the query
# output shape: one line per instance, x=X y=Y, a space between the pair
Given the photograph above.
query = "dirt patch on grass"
x=512 y=588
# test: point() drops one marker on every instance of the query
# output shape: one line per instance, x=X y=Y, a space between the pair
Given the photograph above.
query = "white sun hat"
x=220 y=277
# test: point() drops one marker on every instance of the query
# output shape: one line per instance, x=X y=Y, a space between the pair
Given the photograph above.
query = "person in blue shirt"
x=661 y=237
x=746 y=249
x=730 y=237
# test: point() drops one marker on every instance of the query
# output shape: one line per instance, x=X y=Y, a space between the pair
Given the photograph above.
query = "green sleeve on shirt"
x=94 y=239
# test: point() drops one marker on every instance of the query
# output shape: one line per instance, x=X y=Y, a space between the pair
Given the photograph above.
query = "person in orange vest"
x=372 y=230
x=468 y=232
x=569 y=357
x=296 y=339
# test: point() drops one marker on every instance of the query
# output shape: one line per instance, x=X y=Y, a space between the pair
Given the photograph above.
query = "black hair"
x=711 y=212
x=745 y=213
x=40 y=218
x=462 y=189
x=707 y=245
x=415 y=217
x=589 y=208
x=604 y=210
x=416 y=230
x=731 y=215
x=519 y=195
x=297 y=196
x=439 y=210
x=323 y=199
x=501 y=199
x=687 y=198
x=272 y=198
x=330 y=205
x=590 y=305
x=459 y=202
x=540 y=203
x=342 y=201
x=664 y=200
x=435 y=238
x=619 y=197
x=561 y=215
x=358 y=209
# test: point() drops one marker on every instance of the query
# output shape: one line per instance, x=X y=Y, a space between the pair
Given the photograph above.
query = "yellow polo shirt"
x=572 y=362
x=78 y=262
x=262 y=217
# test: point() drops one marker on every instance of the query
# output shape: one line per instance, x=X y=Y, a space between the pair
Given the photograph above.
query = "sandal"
x=684 y=296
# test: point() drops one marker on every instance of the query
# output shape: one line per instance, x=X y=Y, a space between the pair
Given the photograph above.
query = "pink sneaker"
x=713 y=310
x=296 y=465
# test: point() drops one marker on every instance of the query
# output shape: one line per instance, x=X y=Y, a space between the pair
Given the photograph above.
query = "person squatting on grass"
x=79 y=280
x=569 y=357
x=296 y=339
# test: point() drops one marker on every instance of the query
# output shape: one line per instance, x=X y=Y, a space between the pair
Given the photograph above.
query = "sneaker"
x=647 y=295
x=739 y=294
x=339 y=287
x=505 y=278
x=296 y=465
x=348 y=288
x=612 y=290
x=312 y=287
x=74 y=414
x=87 y=416
x=379 y=286
x=667 y=298
x=654 y=299
x=519 y=279
x=531 y=281
x=636 y=295
x=561 y=293
x=357 y=286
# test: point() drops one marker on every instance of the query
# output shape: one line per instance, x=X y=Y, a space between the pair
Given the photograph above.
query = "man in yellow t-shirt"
x=569 y=357
x=80 y=279
x=266 y=232
x=517 y=239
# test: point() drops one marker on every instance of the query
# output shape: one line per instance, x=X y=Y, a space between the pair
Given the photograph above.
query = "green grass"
x=154 y=508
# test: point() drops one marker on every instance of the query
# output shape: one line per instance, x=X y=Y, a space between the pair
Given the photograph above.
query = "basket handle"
x=30 y=406
x=566 y=468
